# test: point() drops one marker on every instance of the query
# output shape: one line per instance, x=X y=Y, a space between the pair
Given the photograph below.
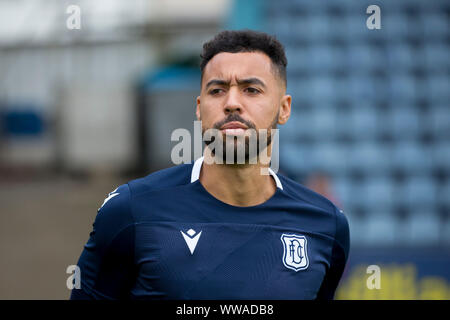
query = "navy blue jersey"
x=165 y=237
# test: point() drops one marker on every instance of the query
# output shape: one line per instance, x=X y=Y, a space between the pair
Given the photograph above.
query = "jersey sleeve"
x=107 y=268
x=339 y=256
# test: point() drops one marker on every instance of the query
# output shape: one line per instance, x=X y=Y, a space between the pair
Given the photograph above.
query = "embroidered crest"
x=295 y=254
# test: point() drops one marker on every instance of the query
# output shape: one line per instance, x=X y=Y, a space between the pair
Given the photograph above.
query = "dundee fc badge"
x=295 y=255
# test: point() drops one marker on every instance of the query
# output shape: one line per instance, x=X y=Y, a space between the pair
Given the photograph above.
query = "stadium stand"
x=371 y=108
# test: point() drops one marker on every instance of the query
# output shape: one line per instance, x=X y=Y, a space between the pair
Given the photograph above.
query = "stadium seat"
x=396 y=26
x=295 y=158
x=443 y=194
x=323 y=123
x=325 y=58
x=364 y=57
x=314 y=27
x=438 y=121
x=435 y=25
x=441 y=155
x=403 y=121
x=368 y=157
x=436 y=56
x=381 y=229
x=363 y=122
x=358 y=200
x=380 y=193
x=422 y=228
x=361 y=87
x=417 y=191
x=438 y=86
x=402 y=87
x=322 y=88
x=328 y=156
x=409 y=156
x=401 y=56
x=355 y=27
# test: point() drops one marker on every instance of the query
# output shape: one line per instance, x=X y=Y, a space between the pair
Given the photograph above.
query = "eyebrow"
x=239 y=81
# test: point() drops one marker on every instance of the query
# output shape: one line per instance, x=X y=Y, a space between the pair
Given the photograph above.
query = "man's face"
x=241 y=90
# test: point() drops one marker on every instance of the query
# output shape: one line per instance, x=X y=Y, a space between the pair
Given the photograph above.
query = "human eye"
x=215 y=91
x=252 y=90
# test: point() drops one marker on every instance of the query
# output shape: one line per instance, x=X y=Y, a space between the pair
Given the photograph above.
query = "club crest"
x=295 y=255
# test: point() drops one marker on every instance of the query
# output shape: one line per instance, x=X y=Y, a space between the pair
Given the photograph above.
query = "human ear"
x=285 y=109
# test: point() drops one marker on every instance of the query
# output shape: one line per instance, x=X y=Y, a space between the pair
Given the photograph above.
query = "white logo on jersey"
x=191 y=239
x=295 y=255
x=111 y=195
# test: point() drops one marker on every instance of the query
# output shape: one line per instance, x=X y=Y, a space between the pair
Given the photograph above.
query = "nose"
x=232 y=103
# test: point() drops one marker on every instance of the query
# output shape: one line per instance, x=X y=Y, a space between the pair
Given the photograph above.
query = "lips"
x=233 y=125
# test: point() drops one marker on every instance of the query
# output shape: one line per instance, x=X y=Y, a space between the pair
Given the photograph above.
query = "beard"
x=238 y=149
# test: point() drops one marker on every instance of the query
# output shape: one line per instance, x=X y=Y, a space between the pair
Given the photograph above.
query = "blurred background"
x=85 y=110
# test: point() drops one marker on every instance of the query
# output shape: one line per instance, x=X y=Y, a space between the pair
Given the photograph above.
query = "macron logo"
x=191 y=239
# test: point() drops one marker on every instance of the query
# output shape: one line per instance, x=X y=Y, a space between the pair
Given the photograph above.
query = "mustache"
x=231 y=118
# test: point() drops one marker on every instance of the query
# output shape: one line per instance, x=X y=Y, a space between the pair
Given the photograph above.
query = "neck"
x=238 y=185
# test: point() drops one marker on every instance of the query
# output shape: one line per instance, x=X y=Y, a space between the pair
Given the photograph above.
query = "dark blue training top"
x=165 y=237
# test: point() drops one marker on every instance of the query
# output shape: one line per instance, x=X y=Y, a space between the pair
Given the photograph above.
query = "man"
x=212 y=230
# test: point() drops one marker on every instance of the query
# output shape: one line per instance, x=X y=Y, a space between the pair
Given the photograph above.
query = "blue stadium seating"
x=371 y=108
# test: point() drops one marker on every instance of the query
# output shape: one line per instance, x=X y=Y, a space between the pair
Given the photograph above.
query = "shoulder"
x=301 y=193
x=113 y=216
x=163 y=179
x=115 y=204
x=116 y=212
x=337 y=216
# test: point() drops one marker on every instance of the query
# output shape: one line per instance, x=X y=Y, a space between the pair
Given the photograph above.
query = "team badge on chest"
x=295 y=254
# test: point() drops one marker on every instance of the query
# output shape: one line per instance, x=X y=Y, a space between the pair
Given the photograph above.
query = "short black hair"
x=234 y=41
